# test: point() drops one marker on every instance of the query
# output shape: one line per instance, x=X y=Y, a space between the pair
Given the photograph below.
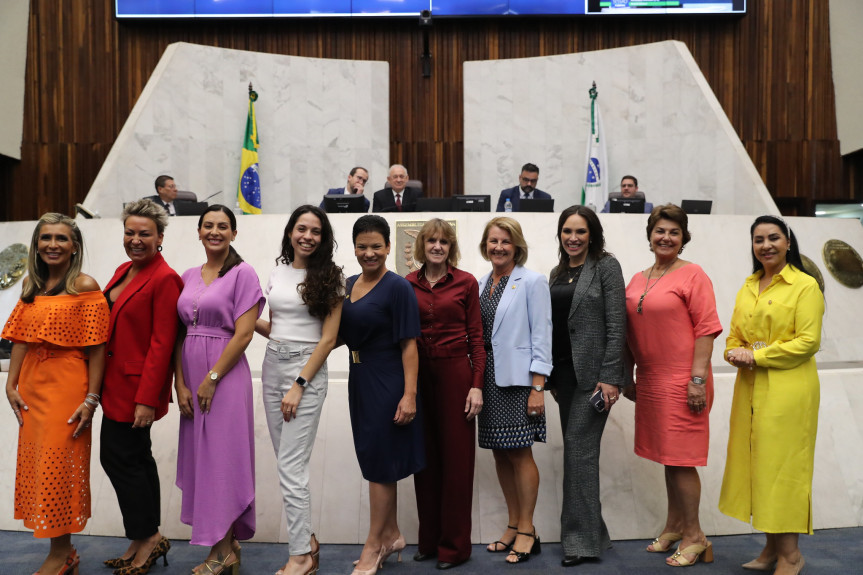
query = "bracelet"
x=91 y=403
x=89 y=407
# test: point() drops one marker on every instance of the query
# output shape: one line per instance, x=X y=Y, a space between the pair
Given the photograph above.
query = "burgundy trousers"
x=444 y=489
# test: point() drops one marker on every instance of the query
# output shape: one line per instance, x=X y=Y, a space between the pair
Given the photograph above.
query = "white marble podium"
x=632 y=488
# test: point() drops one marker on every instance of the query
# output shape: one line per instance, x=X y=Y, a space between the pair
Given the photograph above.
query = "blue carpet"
x=828 y=551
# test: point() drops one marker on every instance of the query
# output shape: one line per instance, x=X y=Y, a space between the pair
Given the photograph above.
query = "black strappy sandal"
x=506 y=546
x=521 y=557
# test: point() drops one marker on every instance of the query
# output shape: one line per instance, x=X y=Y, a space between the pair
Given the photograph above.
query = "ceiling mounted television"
x=131 y=9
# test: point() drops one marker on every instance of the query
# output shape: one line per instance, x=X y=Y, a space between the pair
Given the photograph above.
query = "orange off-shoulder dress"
x=52 y=481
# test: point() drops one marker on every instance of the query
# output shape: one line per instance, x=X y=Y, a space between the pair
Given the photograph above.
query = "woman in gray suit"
x=588 y=313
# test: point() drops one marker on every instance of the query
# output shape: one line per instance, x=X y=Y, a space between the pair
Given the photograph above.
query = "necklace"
x=573 y=273
x=648 y=287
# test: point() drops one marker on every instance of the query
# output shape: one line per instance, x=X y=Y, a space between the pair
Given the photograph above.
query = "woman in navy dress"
x=380 y=321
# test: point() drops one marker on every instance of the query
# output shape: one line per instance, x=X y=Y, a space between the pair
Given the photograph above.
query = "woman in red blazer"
x=137 y=387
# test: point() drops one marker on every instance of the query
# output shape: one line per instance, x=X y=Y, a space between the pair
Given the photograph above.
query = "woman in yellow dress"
x=774 y=334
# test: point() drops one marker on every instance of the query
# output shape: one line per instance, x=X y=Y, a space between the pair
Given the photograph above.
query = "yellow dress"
x=774 y=413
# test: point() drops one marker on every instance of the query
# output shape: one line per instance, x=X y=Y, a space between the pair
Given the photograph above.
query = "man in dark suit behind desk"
x=166 y=194
x=526 y=190
x=356 y=185
x=398 y=197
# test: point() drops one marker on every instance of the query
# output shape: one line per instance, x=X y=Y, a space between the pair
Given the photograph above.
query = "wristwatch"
x=301 y=381
x=698 y=380
x=538 y=388
x=214 y=377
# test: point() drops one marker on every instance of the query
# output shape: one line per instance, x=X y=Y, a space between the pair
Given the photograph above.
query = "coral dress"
x=52 y=481
x=774 y=413
x=678 y=309
x=216 y=453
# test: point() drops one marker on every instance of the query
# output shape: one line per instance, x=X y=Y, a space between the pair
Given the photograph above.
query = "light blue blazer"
x=521 y=336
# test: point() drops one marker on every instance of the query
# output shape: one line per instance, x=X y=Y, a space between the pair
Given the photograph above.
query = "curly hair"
x=321 y=291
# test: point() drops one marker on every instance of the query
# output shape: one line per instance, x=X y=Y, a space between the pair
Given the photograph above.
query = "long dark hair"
x=37 y=270
x=322 y=289
x=596 y=247
x=233 y=258
x=793 y=255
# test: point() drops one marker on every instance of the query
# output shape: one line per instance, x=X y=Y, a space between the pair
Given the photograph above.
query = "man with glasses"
x=166 y=194
x=525 y=190
x=356 y=185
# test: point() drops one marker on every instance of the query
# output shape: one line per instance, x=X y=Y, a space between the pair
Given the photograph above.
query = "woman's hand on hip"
x=17 y=403
x=610 y=392
x=696 y=397
x=473 y=403
x=184 y=401
x=291 y=401
x=536 y=403
x=205 y=394
x=407 y=409
x=144 y=416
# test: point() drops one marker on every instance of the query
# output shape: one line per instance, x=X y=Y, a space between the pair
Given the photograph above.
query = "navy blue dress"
x=372 y=328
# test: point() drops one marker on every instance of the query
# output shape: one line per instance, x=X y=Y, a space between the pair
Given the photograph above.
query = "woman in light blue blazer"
x=516 y=315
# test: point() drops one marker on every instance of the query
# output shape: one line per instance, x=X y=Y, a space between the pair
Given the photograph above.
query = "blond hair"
x=38 y=269
x=513 y=228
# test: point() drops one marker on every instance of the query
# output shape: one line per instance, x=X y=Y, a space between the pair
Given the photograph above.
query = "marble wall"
x=662 y=122
x=317 y=118
x=630 y=485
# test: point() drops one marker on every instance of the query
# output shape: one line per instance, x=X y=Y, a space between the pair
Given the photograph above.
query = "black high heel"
x=521 y=556
x=506 y=546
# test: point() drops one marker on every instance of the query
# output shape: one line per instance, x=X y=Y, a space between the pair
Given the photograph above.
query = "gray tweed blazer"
x=597 y=324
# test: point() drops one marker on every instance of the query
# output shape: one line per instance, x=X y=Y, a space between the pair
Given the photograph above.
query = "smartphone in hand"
x=598 y=401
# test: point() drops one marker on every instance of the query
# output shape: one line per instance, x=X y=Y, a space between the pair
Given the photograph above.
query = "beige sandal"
x=703 y=551
x=671 y=538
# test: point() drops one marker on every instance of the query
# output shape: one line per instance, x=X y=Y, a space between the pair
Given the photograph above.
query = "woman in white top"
x=305 y=294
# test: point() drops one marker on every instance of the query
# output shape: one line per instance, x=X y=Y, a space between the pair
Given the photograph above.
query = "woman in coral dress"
x=775 y=332
x=216 y=455
x=670 y=328
x=59 y=328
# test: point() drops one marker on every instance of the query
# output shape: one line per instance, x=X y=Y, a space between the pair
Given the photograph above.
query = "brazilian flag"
x=249 y=189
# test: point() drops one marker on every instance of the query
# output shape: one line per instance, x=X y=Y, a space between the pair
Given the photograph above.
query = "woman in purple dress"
x=216 y=456
x=380 y=324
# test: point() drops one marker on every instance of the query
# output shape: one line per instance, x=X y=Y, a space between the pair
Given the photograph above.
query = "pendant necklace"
x=648 y=287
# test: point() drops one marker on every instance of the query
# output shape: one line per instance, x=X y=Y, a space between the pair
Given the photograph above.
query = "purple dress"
x=216 y=454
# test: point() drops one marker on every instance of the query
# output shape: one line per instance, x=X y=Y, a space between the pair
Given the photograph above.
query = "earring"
x=681 y=250
x=74 y=253
x=650 y=246
x=158 y=248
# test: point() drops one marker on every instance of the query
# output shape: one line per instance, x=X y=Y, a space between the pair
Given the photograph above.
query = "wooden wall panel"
x=770 y=71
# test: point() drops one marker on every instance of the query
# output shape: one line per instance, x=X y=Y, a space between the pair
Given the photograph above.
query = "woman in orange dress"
x=671 y=322
x=59 y=328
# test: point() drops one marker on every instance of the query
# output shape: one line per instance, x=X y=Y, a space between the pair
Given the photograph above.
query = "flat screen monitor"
x=536 y=205
x=696 y=206
x=473 y=203
x=434 y=205
x=185 y=208
x=412 y=8
x=345 y=204
x=626 y=205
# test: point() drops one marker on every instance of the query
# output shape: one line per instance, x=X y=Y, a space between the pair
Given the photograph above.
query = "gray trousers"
x=293 y=441
x=582 y=529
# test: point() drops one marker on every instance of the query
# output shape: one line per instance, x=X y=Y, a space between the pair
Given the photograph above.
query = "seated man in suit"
x=356 y=184
x=398 y=197
x=526 y=190
x=166 y=194
x=628 y=189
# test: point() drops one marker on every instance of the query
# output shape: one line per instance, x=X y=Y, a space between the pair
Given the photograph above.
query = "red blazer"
x=143 y=328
